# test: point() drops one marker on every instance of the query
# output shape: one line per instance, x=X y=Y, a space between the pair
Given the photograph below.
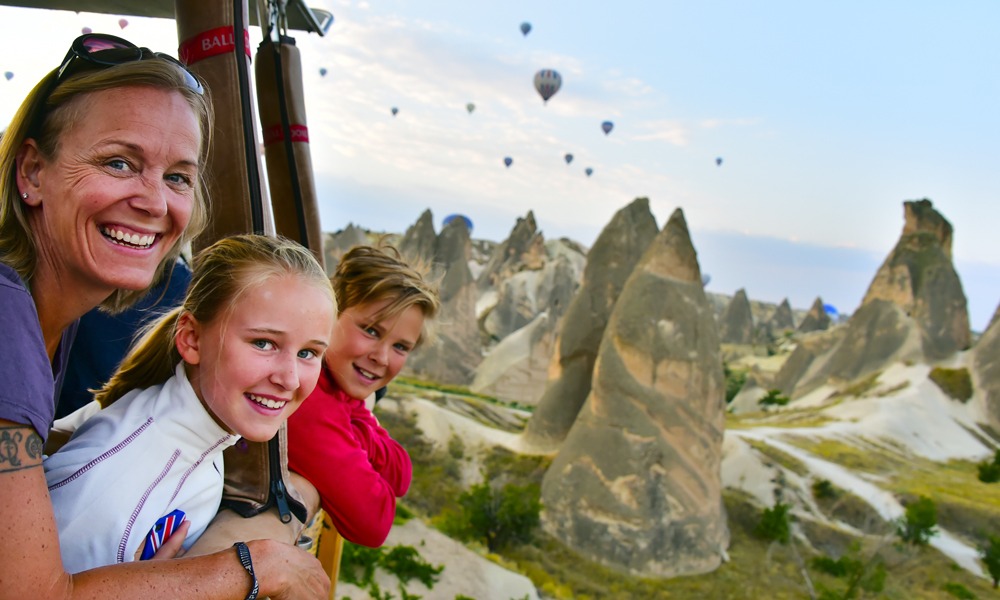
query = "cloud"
x=667 y=130
x=713 y=123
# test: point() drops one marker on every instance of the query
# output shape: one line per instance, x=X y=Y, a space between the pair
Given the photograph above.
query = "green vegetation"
x=773 y=398
x=358 y=564
x=782 y=458
x=990 y=554
x=774 y=524
x=858 y=574
x=402 y=383
x=959 y=591
x=823 y=489
x=735 y=378
x=919 y=524
x=989 y=472
x=956 y=383
x=497 y=516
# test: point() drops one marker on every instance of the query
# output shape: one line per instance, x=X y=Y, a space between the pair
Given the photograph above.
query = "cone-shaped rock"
x=524 y=249
x=987 y=370
x=336 y=244
x=816 y=319
x=609 y=263
x=736 y=323
x=420 y=240
x=782 y=319
x=636 y=484
x=918 y=276
x=454 y=353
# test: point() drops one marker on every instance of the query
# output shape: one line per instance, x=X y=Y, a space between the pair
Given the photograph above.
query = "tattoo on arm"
x=20 y=448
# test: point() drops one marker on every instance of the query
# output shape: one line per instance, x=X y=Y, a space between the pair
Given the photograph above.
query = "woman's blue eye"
x=118 y=165
x=178 y=178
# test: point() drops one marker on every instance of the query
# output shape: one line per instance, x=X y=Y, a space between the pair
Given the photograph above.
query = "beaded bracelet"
x=244 y=553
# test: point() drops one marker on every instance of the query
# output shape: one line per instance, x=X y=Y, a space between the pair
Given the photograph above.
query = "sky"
x=827 y=117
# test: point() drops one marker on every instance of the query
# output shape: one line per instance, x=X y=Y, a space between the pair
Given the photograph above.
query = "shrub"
x=734 y=381
x=959 y=591
x=496 y=516
x=989 y=472
x=773 y=398
x=991 y=558
x=919 y=524
x=955 y=382
x=402 y=561
x=774 y=524
x=456 y=447
x=823 y=489
x=858 y=574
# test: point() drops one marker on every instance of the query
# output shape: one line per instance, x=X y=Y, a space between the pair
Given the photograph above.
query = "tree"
x=774 y=524
x=991 y=558
x=497 y=516
x=773 y=398
x=920 y=523
x=989 y=472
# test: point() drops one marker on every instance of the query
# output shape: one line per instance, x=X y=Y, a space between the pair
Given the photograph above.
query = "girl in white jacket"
x=236 y=359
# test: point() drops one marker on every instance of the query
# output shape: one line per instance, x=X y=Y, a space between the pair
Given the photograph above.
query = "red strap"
x=273 y=134
x=211 y=43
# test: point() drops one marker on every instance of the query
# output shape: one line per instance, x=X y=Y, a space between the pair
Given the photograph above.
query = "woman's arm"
x=32 y=566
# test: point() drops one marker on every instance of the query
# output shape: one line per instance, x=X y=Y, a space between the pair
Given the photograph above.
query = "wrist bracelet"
x=244 y=553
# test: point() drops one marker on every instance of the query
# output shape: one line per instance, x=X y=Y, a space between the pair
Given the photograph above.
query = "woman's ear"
x=29 y=165
x=188 y=338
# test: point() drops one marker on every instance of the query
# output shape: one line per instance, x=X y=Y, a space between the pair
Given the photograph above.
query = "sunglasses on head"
x=105 y=50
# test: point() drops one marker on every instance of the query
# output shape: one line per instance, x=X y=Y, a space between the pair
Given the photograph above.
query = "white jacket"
x=152 y=451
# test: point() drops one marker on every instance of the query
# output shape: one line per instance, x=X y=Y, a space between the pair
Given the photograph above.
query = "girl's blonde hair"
x=367 y=274
x=222 y=273
x=46 y=117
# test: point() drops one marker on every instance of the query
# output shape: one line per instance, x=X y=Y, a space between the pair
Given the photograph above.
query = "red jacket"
x=336 y=443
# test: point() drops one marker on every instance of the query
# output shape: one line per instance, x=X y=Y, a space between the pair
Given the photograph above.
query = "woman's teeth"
x=267 y=402
x=132 y=240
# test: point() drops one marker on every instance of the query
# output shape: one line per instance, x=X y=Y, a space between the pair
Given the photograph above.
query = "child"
x=236 y=359
x=334 y=441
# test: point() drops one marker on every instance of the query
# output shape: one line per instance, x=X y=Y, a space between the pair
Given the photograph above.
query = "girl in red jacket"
x=333 y=440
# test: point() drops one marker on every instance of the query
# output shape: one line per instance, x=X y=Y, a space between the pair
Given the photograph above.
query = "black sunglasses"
x=107 y=51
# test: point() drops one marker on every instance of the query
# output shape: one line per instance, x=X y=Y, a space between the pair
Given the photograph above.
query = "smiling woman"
x=110 y=144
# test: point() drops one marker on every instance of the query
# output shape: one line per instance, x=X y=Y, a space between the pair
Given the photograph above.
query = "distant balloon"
x=830 y=310
x=607 y=126
x=588 y=171
x=525 y=27
x=86 y=30
x=394 y=111
x=569 y=158
x=470 y=107
x=123 y=23
x=718 y=162
x=547 y=82
x=450 y=218
x=507 y=161
x=705 y=278
x=8 y=75
x=322 y=72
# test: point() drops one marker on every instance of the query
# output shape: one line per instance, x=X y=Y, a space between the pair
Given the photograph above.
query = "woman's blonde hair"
x=222 y=273
x=367 y=274
x=46 y=116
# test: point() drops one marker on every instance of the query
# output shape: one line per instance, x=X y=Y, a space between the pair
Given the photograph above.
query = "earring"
x=24 y=195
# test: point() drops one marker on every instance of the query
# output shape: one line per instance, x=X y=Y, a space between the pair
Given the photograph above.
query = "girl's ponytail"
x=151 y=360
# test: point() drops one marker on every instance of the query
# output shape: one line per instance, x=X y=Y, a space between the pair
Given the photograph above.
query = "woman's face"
x=253 y=369
x=119 y=192
x=364 y=355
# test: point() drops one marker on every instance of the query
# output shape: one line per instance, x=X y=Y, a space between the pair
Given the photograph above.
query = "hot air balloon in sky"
x=547 y=82
x=507 y=161
x=394 y=111
x=123 y=23
x=831 y=311
x=86 y=30
x=525 y=27
x=470 y=107
x=569 y=158
x=450 y=218
x=588 y=171
x=8 y=75
x=322 y=72
x=718 y=162
x=705 y=278
x=607 y=126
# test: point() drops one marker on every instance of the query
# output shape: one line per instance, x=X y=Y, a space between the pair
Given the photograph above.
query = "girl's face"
x=253 y=369
x=364 y=355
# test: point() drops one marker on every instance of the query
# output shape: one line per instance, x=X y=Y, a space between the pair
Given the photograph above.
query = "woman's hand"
x=286 y=572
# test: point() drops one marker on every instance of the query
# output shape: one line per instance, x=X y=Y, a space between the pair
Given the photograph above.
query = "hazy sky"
x=827 y=116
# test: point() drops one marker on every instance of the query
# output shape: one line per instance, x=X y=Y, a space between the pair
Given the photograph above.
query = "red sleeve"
x=345 y=462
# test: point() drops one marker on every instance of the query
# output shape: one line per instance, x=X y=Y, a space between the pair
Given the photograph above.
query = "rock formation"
x=746 y=401
x=420 y=241
x=986 y=372
x=336 y=244
x=736 y=324
x=636 y=484
x=609 y=263
x=816 y=319
x=524 y=249
x=454 y=353
x=782 y=320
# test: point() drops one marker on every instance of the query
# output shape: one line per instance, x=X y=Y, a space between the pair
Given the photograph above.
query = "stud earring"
x=24 y=195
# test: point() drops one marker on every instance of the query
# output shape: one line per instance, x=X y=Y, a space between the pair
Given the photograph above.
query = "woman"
x=102 y=183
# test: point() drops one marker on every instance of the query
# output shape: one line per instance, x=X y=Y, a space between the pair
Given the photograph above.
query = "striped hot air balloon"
x=547 y=82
